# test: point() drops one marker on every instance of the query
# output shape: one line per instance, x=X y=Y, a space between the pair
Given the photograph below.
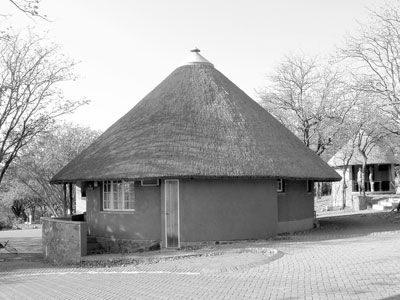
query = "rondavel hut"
x=196 y=160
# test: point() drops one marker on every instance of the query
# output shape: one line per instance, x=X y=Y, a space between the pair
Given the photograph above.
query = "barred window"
x=118 y=195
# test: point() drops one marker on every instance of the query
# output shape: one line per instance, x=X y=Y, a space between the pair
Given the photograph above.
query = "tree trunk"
x=33 y=212
x=65 y=199
x=344 y=188
x=318 y=189
x=363 y=169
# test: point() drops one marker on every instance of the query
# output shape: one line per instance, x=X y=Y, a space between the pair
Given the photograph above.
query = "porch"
x=375 y=186
x=377 y=178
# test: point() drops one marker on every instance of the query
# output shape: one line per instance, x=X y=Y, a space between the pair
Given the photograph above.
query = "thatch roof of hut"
x=378 y=154
x=196 y=124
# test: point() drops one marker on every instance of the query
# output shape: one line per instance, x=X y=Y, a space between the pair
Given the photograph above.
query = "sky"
x=125 y=48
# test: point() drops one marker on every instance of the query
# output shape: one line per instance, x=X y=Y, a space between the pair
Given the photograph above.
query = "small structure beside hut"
x=379 y=175
x=196 y=160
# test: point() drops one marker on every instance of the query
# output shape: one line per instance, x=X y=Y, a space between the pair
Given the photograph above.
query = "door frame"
x=165 y=211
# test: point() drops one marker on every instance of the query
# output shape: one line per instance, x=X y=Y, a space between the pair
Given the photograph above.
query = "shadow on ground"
x=22 y=261
x=350 y=226
x=395 y=297
x=28 y=246
x=28 y=242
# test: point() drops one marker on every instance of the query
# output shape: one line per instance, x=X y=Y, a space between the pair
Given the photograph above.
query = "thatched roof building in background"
x=379 y=154
x=379 y=174
x=196 y=124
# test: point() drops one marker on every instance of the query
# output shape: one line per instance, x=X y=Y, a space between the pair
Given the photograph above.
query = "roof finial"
x=195 y=58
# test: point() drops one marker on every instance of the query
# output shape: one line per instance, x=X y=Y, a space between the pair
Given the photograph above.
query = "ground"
x=348 y=257
x=324 y=204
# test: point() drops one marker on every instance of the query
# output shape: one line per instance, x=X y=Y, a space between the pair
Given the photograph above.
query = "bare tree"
x=361 y=132
x=28 y=7
x=310 y=99
x=17 y=195
x=344 y=156
x=30 y=98
x=44 y=157
x=368 y=127
x=375 y=56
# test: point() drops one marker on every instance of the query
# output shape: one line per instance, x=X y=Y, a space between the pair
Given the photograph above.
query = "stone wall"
x=111 y=245
x=361 y=202
x=63 y=241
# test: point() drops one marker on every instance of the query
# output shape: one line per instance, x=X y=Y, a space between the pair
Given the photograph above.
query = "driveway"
x=348 y=257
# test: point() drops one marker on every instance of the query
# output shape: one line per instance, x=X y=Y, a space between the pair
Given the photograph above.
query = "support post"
x=392 y=176
x=71 y=198
x=65 y=199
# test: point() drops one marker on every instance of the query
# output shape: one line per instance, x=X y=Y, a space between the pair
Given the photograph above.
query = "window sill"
x=118 y=211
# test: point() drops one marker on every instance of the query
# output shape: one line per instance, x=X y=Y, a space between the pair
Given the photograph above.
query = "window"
x=118 y=195
x=150 y=182
x=281 y=185
x=310 y=184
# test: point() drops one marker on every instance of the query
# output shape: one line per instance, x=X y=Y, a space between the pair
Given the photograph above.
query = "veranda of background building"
x=379 y=174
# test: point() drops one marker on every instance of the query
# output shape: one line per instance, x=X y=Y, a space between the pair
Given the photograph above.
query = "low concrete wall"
x=63 y=241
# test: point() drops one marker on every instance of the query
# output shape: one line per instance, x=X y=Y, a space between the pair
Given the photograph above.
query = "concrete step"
x=394 y=200
x=93 y=247
x=91 y=239
x=381 y=207
x=99 y=251
x=387 y=204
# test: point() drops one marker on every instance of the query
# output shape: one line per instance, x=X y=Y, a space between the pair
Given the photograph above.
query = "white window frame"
x=109 y=203
x=280 y=185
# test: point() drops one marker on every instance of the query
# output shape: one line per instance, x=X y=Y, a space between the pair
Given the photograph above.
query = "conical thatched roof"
x=378 y=154
x=196 y=123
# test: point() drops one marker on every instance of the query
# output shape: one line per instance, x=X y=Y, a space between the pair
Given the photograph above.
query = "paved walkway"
x=350 y=257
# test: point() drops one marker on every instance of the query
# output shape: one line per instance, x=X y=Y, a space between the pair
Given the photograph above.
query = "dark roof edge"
x=325 y=179
x=368 y=164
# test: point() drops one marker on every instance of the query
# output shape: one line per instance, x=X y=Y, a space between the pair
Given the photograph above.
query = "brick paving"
x=353 y=257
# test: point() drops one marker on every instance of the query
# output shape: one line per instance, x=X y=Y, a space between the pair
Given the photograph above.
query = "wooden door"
x=172 y=234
